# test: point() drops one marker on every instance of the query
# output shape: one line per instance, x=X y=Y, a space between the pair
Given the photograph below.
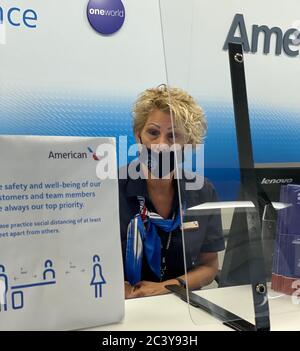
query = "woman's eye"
x=174 y=136
x=153 y=132
x=178 y=136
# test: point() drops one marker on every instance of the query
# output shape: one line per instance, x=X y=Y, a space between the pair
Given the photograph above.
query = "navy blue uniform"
x=208 y=237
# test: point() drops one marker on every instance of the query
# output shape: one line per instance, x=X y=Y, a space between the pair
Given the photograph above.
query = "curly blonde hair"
x=186 y=113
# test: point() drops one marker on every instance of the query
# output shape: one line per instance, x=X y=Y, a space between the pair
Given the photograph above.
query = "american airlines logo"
x=282 y=40
x=277 y=181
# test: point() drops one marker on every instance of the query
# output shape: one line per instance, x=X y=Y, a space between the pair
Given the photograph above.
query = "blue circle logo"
x=106 y=16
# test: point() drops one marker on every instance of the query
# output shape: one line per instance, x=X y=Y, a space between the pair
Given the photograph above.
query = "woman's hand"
x=145 y=288
x=128 y=290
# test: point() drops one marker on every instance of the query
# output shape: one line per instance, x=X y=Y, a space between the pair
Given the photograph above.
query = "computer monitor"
x=270 y=178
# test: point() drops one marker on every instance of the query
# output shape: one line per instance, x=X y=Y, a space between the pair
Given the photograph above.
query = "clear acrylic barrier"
x=63 y=78
x=257 y=274
x=218 y=214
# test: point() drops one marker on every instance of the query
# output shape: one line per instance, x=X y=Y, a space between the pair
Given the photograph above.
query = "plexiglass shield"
x=239 y=227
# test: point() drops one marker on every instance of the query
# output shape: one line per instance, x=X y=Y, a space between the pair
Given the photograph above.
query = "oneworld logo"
x=106 y=16
x=285 y=41
x=277 y=181
x=103 y=12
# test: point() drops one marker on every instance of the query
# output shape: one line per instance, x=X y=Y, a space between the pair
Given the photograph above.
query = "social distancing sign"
x=60 y=250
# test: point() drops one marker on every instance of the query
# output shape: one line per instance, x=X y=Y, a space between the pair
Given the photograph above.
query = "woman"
x=150 y=212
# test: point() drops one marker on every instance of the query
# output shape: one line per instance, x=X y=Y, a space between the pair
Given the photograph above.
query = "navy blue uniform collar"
x=136 y=187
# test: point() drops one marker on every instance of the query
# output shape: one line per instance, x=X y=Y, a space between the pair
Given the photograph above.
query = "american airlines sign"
x=285 y=41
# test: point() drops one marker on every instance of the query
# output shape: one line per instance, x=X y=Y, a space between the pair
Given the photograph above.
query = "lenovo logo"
x=277 y=181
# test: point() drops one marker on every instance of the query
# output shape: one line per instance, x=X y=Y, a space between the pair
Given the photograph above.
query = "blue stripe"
x=32 y=285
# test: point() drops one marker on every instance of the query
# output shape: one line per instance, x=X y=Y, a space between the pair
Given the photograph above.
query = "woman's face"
x=158 y=131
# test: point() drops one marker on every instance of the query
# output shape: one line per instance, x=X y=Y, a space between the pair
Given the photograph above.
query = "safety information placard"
x=60 y=250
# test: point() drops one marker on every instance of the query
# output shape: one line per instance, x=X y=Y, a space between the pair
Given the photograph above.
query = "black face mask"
x=159 y=163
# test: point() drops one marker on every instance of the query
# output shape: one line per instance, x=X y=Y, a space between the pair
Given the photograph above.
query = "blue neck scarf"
x=142 y=239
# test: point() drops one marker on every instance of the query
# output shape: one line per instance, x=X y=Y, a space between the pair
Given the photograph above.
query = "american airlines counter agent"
x=150 y=211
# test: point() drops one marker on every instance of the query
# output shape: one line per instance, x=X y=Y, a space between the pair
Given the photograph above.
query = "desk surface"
x=169 y=313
